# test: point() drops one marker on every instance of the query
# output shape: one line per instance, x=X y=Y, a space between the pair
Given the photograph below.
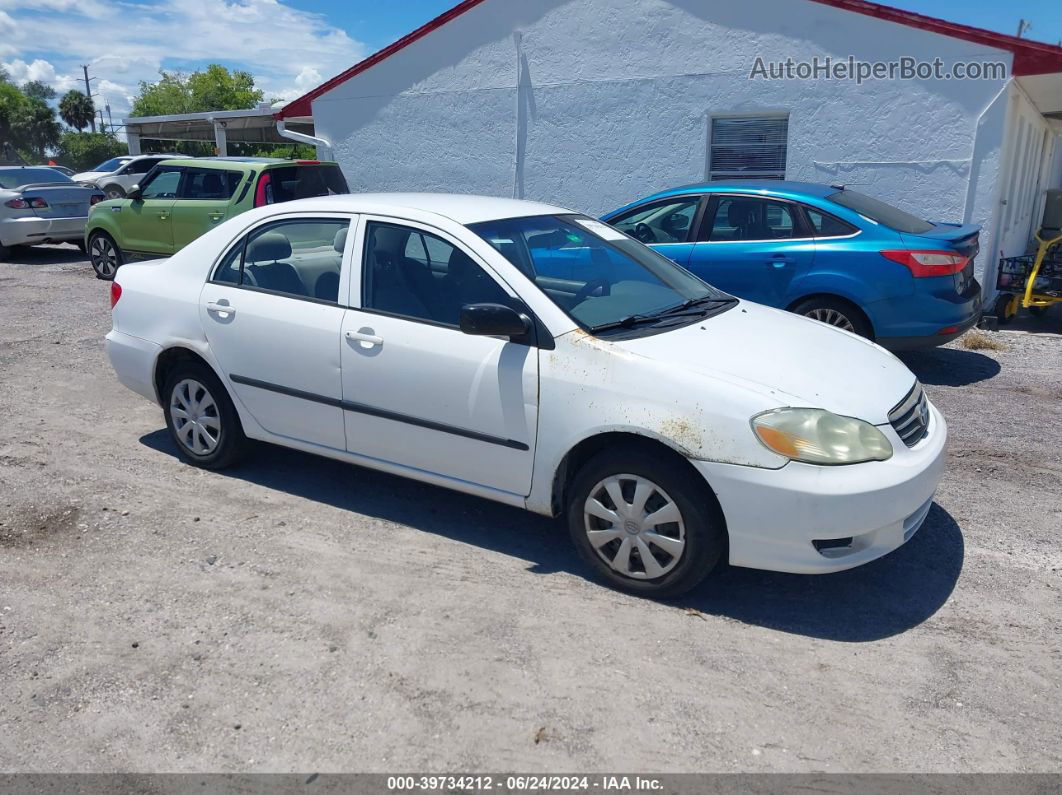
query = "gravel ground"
x=299 y=614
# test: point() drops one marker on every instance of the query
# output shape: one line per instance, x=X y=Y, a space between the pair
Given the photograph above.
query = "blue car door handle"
x=780 y=260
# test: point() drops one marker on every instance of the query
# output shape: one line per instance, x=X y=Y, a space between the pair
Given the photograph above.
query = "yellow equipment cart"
x=1031 y=281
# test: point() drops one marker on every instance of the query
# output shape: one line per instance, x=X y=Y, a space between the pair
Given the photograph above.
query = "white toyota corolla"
x=532 y=355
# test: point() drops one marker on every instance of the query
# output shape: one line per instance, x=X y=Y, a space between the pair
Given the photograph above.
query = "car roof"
x=772 y=186
x=239 y=162
x=462 y=208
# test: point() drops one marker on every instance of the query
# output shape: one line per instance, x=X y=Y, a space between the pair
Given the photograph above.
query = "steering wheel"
x=600 y=283
x=644 y=232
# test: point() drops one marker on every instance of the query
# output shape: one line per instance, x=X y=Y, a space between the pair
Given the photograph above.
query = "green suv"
x=181 y=199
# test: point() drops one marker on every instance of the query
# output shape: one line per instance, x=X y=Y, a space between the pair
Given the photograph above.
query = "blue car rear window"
x=880 y=212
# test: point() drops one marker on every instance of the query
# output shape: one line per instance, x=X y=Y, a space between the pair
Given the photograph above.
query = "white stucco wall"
x=615 y=97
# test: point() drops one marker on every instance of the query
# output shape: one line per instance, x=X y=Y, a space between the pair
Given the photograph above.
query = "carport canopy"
x=256 y=125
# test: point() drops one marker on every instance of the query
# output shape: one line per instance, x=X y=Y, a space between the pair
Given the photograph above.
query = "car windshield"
x=15 y=177
x=113 y=164
x=880 y=212
x=601 y=277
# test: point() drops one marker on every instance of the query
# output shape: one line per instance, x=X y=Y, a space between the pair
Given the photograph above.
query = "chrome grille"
x=910 y=418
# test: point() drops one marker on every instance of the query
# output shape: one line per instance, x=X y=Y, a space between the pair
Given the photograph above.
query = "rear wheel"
x=834 y=312
x=201 y=418
x=1006 y=308
x=105 y=256
x=644 y=522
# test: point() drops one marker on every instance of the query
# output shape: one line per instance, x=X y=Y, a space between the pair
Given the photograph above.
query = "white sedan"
x=532 y=355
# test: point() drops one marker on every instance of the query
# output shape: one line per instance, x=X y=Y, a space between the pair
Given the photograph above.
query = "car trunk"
x=64 y=201
x=963 y=239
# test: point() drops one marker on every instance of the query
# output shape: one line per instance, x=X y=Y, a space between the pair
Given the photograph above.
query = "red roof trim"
x=1030 y=57
x=302 y=105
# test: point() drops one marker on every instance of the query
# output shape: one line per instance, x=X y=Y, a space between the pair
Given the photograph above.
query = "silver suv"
x=117 y=184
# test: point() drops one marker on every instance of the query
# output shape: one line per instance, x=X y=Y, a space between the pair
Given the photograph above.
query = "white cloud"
x=287 y=50
x=308 y=78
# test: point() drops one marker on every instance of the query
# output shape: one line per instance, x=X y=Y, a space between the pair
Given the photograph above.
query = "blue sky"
x=289 y=45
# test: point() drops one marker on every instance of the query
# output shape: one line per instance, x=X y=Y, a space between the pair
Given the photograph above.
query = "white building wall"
x=615 y=99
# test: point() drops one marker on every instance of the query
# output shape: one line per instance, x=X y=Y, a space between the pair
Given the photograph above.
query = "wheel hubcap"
x=831 y=317
x=195 y=417
x=634 y=526
x=104 y=259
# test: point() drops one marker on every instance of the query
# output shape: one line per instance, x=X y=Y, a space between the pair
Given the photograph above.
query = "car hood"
x=797 y=361
x=87 y=176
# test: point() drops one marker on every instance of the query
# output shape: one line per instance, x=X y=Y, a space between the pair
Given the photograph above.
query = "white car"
x=532 y=355
x=41 y=205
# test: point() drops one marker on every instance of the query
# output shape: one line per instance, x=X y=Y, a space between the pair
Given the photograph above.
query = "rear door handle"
x=780 y=260
x=361 y=336
x=220 y=308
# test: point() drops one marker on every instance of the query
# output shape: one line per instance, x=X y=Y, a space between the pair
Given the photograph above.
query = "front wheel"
x=105 y=256
x=644 y=522
x=834 y=312
x=114 y=192
x=201 y=418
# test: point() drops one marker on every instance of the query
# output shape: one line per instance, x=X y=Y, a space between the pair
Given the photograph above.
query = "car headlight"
x=816 y=436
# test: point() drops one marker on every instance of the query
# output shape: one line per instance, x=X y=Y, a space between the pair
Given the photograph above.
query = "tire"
x=114 y=192
x=105 y=255
x=835 y=312
x=5 y=252
x=1002 y=304
x=683 y=551
x=1038 y=311
x=201 y=418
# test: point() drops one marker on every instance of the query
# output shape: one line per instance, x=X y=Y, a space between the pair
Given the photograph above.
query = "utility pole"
x=88 y=92
x=1023 y=25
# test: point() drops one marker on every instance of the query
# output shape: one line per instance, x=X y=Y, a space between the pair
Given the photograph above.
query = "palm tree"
x=76 y=109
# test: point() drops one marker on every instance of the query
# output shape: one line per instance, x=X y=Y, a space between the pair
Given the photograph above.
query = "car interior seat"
x=265 y=261
x=327 y=285
x=213 y=187
x=392 y=287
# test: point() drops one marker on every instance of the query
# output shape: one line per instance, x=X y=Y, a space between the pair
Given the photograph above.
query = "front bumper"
x=30 y=230
x=775 y=517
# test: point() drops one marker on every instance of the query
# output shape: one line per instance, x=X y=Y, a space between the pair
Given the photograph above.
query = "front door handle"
x=212 y=306
x=362 y=336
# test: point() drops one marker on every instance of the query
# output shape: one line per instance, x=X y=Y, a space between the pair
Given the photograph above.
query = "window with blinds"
x=748 y=147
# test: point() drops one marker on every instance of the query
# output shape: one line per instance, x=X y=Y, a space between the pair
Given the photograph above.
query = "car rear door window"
x=826 y=225
x=299 y=258
x=415 y=274
x=741 y=218
x=660 y=222
x=205 y=183
x=141 y=166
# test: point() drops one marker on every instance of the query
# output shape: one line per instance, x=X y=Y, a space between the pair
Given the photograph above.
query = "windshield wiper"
x=679 y=310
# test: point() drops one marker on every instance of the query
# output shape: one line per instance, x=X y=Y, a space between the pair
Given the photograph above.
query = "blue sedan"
x=822 y=251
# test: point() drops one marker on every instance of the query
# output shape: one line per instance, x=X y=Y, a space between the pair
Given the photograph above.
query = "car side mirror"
x=135 y=193
x=493 y=320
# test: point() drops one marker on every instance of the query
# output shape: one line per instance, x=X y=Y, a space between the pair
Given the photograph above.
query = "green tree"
x=76 y=109
x=215 y=88
x=35 y=129
x=81 y=151
x=36 y=89
x=12 y=106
